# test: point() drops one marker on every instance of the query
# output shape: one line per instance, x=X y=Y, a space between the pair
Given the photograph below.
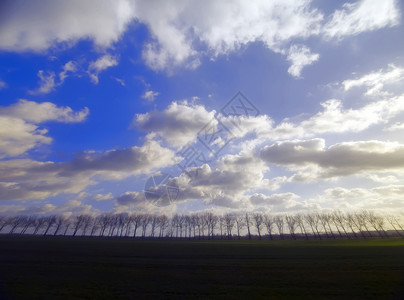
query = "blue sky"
x=97 y=96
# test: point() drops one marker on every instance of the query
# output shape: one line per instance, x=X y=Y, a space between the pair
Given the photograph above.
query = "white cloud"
x=299 y=57
x=3 y=85
x=46 y=84
x=362 y=16
x=312 y=160
x=336 y=119
x=178 y=124
x=17 y=136
x=183 y=31
x=101 y=64
x=40 y=25
x=43 y=112
x=69 y=67
x=150 y=95
x=386 y=199
x=102 y=197
x=375 y=81
x=19 y=131
x=225 y=185
x=27 y=179
x=395 y=126
x=49 y=81
x=222 y=27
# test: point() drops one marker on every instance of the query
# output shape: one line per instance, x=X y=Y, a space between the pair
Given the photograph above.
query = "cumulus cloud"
x=362 y=16
x=48 y=81
x=17 y=136
x=101 y=64
x=178 y=124
x=28 y=179
x=3 y=85
x=40 y=25
x=43 y=112
x=299 y=57
x=227 y=184
x=150 y=95
x=184 y=31
x=336 y=119
x=67 y=209
x=385 y=198
x=19 y=130
x=375 y=81
x=312 y=160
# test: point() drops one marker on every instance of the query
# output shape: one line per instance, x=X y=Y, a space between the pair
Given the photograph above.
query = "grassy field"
x=34 y=267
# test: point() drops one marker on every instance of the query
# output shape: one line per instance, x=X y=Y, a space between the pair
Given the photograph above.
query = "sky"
x=190 y=106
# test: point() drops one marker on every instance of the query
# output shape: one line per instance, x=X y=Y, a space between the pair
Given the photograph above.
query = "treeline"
x=364 y=224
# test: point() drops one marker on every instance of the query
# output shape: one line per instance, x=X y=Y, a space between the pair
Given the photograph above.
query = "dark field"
x=82 y=268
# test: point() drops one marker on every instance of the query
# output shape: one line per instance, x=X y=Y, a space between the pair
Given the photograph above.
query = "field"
x=101 y=268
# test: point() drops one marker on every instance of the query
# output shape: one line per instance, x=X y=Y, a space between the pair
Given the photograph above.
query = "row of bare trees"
x=336 y=224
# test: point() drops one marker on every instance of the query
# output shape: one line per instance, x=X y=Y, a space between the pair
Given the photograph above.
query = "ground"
x=102 y=268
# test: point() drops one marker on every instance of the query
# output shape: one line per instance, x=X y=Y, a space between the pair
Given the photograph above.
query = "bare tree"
x=376 y=222
x=279 y=224
x=229 y=220
x=28 y=222
x=247 y=220
x=50 y=221
x=14 y=222
x=145 y=222
x=339 y=219
x=258 y=220
x=300 y=222
x=163 y=221
x=292 y=224
x=312 y=220
x=269 y=224
x=3 y=222
x=350 y=221
x=137 y=221
x=78 y=222
x=39 y=222
x=87 y=220
x=394 y=221
x=239 y=219
x=59 y=221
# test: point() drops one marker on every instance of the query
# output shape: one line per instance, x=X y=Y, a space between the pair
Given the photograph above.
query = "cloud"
x=150 y=95
x=376 y=81
x=395 y=126
x=221 y=27
x=182 y=32
x=100 y=65
x=48 y=80
x=336 y=119
x=3 y=85
x=41 y=25
x=362 y=16
x=19 y=130
x=67 y=209
x=43 y=112
x=102 y=197
x=27 y=179
x=300 y=56
x=46 y=84
x=225 y=185
x=385 y=198
x=17 y=136
x=312 y=160
x=178 y=124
